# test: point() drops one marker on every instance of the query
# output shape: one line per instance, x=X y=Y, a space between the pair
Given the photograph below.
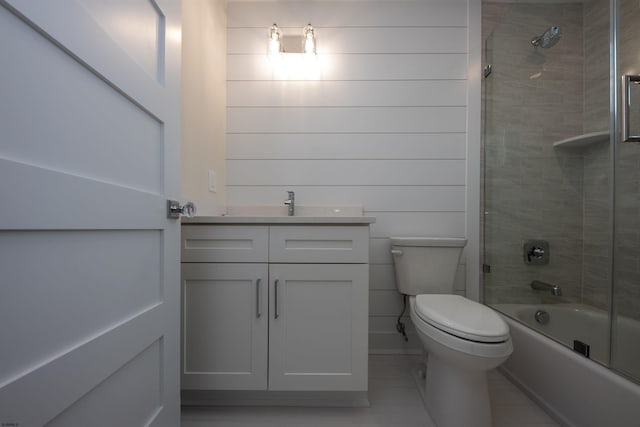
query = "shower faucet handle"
x=536 y=252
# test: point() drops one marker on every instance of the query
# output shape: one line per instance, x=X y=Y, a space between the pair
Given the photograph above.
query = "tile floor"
x=395 y=402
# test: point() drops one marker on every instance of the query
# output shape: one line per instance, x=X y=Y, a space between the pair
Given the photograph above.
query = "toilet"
x=462 y=338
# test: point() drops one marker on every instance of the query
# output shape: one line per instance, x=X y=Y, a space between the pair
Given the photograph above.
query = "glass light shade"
x=274 y=41
x=309 y=39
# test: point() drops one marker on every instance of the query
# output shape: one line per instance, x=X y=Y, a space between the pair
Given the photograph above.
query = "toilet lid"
x=462 y=317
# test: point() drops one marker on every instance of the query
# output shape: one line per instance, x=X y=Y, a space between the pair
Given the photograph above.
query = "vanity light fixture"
x=280 y=43
x=275 y=45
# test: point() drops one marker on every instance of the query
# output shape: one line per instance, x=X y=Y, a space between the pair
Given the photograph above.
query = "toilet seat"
x=462 y=318
x=460 y=346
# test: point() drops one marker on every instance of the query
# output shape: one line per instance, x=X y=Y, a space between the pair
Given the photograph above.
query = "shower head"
x=548 y=38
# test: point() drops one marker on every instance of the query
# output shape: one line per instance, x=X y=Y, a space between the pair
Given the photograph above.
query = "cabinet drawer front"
x=221 y=243
x=319 y=244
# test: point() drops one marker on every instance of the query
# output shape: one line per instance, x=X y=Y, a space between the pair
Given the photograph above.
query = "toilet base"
x=419 y=374
x=456 y=397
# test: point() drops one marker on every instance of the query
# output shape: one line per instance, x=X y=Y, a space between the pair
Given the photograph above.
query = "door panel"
x=140 y=35
x=69 y=25
x=90 y=264
x=60 y=90
x=85 y=281
x=137 y=390
x=34 y=397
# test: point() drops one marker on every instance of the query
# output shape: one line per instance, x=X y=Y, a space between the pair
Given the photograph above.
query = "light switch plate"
x=212 y=181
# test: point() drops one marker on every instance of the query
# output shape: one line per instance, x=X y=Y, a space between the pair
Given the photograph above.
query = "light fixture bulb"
x=309 y=39
x=274 y=43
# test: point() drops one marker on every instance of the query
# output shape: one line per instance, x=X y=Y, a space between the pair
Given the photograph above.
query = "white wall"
x=382 y=124
x=203 y=102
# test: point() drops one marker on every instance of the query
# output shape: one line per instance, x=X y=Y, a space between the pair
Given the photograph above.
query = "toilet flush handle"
x=396 y=252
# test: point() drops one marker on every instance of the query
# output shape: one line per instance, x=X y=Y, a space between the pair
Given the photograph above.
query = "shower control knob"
x=536 y=253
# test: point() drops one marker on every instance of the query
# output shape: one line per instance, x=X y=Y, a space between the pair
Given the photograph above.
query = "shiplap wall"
x=382 y=123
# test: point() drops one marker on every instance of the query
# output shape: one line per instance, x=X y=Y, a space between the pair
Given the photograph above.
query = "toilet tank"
x=426 y=265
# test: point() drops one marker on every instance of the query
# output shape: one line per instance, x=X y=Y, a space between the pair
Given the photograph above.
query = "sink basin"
x=301 y=211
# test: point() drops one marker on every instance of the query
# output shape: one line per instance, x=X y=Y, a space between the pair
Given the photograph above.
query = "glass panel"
x=547 y=169
x=626 y=294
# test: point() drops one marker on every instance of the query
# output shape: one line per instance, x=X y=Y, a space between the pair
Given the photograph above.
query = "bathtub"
x=575 y=390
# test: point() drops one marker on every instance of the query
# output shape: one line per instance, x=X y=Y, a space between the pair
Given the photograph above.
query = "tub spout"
x=543 y=286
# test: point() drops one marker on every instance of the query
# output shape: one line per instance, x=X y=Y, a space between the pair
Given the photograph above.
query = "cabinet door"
x=224 y=326
x=318 y=326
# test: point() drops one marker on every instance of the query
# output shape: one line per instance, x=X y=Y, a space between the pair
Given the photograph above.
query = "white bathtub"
x=578 y=391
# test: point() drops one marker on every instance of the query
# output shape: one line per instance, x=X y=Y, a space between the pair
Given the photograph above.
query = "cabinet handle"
x=275 y=299
x=258 y=299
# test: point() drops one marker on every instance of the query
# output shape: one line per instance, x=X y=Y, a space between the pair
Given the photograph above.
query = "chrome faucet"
x=543 y=286
x=291 y=203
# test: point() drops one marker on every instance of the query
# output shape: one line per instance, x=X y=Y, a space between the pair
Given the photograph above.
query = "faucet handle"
x=536 y=253
x=291 y=203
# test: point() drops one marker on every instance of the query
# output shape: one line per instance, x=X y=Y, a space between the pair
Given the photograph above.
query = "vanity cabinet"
x=275 y=307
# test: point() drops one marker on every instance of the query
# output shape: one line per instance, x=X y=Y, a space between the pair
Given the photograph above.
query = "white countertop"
x=317 y=220
x=317 y=215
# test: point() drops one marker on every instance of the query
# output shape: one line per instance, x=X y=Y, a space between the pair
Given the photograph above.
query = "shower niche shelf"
x=583 y=141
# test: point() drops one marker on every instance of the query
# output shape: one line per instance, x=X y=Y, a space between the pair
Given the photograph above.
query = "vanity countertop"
x=317 y=220
x=317 y=215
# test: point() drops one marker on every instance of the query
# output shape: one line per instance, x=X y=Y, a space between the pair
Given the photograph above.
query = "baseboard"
x=274 y=398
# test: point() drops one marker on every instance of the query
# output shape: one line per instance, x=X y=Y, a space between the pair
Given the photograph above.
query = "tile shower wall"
x=380 y=123
x=532 y=191
x=571 y=204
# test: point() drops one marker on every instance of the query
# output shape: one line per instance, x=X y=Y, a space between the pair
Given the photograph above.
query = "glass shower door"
x=547 y=170
x=625 y=354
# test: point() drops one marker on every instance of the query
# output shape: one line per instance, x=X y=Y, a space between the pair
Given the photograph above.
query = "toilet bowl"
x=462 y=338
x=456 y=389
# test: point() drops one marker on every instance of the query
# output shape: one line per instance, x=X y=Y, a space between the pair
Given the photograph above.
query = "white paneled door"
x=89 y=262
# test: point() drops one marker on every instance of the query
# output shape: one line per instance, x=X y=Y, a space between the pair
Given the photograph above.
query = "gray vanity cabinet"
x=275 y=307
